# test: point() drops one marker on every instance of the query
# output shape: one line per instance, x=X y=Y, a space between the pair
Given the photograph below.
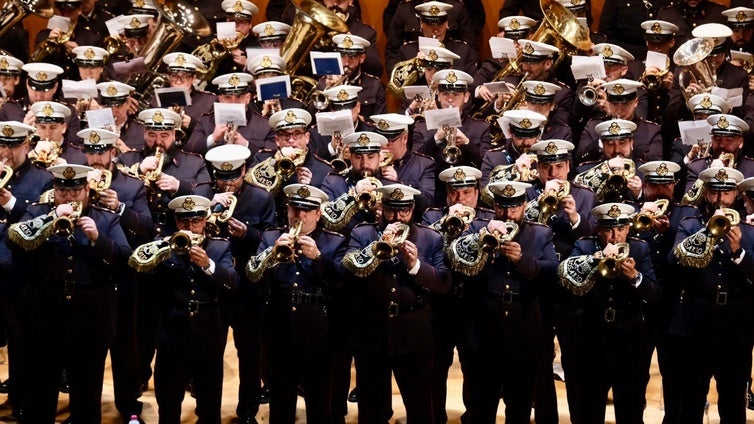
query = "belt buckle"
x=68 y=290
x=161 y=218
x=392 y=310
x=507 y=297
x=193 y=307
x=296 y=297
x=609 y=315
x=721 y=298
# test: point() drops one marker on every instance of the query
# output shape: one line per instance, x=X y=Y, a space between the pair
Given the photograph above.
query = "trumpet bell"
x=383 y=250
x=608 y=267
x=642 y=223
x=587 y=95
x=549 y=204
x=180 y=243
x=451 y=155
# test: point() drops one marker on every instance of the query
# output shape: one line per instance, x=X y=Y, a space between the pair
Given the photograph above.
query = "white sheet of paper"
x=113 y=26
x=230 y=112
x=658 y=60
x=429 y=42
x=330 y=122
x=693 y=132
x=504 y=126
x=584 y=66
x=124 y=69
x=60 y=22
x=101 y=118
x=503 y=47
x=497 y=87
x=438 y=118
x=84 y=89
x=410 y=91
x=734 y=96
x=226 y=30
x=184 y=90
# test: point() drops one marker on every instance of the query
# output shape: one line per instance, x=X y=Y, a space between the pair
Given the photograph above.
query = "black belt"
x=299 y=297
x=505 y=297
x=394 y=309
x=719 y=299
x=160 y=218
x=194 y=306
x=611 y=313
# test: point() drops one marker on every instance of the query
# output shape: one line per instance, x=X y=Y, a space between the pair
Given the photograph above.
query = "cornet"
x=366 y=200
x=150 y=177
x=587 y=94
x=642 y=221
x=451 y=154
x=454 y=225
x=181 y=242
x=230 y=133
x=7 y=173
x=339 y=163
x=609 y=266
x=491 y=241
x=286 y=252
x=719 y=225
x=220 y=213
x=101 y=182
x=44 y=157
x=63 y=226
x=385 y=248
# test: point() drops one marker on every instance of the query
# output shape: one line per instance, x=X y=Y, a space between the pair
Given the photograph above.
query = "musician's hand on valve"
x=5 y=196
x=30 y=118
x=456 y=210
x=496 y=225
x=308 y=247
x=364 y=185
x=569 y=207
x=285 y=239
x=461 y=138
x=89 y=227
x=268 y=107
x=628 y=268
x=634 y=185
x=218 y=135
x=693 y=89
x=236 y=228
x=388 y=172
x=198 y=256
x=661 y=224
x=108 y=198
x=410 y=253
x=734 y=238
x=133 y=105
x=239 y=57
x=221 y=198
x=694 y=152
x=240 y=140
x=148 y=164
x=168 y=183
x=303 y=175
x=667 y=80
x=602 y=103
x=63 y=209
x=69 y=46
x=512 y=251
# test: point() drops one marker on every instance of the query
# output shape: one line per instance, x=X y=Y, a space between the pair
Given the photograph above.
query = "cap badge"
x=112 y=90
x=180 y=60
x=188 y=204
x=234 y=80
x=525 y=123
x=41 y=76
x=139 y=3
x=662 y=170
x=266 y=62
x=8 y=131
x=157 y=118
x=614 y=212
x=509 y=191
x=238 y=7
x=576 y=2
x=68 y=173
x=706 y=102
x=539 y=90
x=656 y=28
x=383 y=125
x=269 y=30
x=451 y=77
x=459 y=175
x=434 y=10
x=94 y=138
x=551 y=148
x=135 y=22
x=4 y=63
x=347 y=42
x=433 y=55
x=363 y=140
x=342 y=95
x=303 y=192
x=89 y=54
x=741 y=16
x=721 y=176
x=528 y=48
x=47 y=110
x=614 y=128
x=607 y=51
x=290 y=117
x=397 y=194
x=619 y=89
x=723 y=122
x=226 y=166
x=514 y=24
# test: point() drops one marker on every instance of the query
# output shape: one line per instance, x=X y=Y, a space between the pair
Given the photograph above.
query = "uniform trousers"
x=124 y=353
x=288 y=368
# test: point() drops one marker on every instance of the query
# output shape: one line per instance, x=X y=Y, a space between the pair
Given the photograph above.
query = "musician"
x=353 y=53
x=539 y=97
x=350 y=13
x=264 y=66
x=450 y=310
x=181 y=71
x=41 y=85
x=126 y=197
x=393 y=317
x=412 y=19
x=431 y=59
x=513 y=27
x=50 y=124
x=136 y=31
x=271 y=34
x=603 y=325
x=256 y=134
x=116 y=96
x=79 y=265
x=241 y=12
x=93 y=16
x=741 y=21
x=689 y=14
x=746 y=187
x=300 y=289
x=191 y=338
x=340 y=97
x=622 y=24
x=727 y=137
x=244 y=310
x=433 y=23
x=621 y=102
x=10 y=77
x=90 y=62
x=710 y=331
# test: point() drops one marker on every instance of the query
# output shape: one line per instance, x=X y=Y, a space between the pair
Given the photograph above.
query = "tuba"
x=691 y=56
x=213 y=53
x=363 y=262
x=13 y=11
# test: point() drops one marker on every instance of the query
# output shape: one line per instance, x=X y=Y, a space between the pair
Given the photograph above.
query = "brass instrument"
x=367 y=200
x=517 y=97
x=653 y=81
x=547 y=203
x=337 y=213
x=604 y=180
x=642 y=221
x=403 y=74
x=695 y=194
x=609 y=266
x=101 y=181
x=63 y=226
x=587 y=94
x=318 y=98
x=151 y=177
x=113 y=44
x=283 y=253
x=13 y=11
x=212 y=53
x=45 y=157
x=490 y=241
x=286 y=166
x=272 y=173
x=220 y=213
x=386 y=247
x=719 y=225
x=511 y=172
x=428 y=103
x=147 y=256
x=5 y=175
x=230 y=133
x=469 y=254
x=691 y=56
x=51 y=47
x=698 y=249
x=454 y=225
x=386 y=158
x=451 y=154
x=339 y=162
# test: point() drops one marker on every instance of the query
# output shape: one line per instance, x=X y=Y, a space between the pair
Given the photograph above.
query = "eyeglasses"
x=180 y=75
x=190 y=220
x=70 y=190
x=285 y=136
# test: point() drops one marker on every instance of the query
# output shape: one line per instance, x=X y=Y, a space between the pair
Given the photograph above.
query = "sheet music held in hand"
x=84 y=89
x=126 y=68
x=274 y=87
x=657 y=60
x=734 y=96
x=429 y=42
x=60 y=22
x=226 y=30
x=585 y=66
x=503 y=47
x=230 y=113
x=330 y=122
x=497 y=87
x=410 y=91
x=326 y=63
x=438 y=118
x=172 y=96
x=101 y=118
x=694 y=132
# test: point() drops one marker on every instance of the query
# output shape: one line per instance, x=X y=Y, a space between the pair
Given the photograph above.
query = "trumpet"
x=642 y=222
x=63 y=226
x=339 y=162
x=180 y=242
x=425 y=104
x=366 y=200
x=152 y=176
x=45 y=157
x=101 y=182
x=51 y=47
x=230 y=132
x=451 y=154
x=587 y=94
x=5 y=175
x=609 y=266
x=490 y=241
x=719 y=225
x=454 y=225
x=286 y=165
x=113 y=44
x=385 y=248
x=286 y=252
x=319 y=99
x=549 y=202
x=653 y=81
x=220 y=213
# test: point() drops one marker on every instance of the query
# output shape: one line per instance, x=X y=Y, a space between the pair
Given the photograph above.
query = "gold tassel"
x=30 y=234
x=361 y=263
x=258 y=264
